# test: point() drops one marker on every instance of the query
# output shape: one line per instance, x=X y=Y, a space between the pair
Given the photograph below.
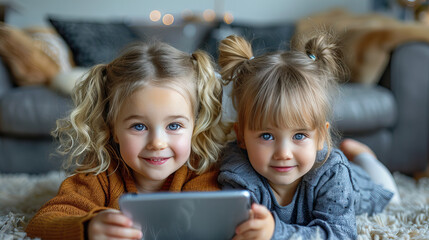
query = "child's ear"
x=321 y=142
x=240 y=139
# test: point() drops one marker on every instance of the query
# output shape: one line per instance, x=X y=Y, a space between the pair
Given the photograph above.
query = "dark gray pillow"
x=264 y=39
x=93 y=42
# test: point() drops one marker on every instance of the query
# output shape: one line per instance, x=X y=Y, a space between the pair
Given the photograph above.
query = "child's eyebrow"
x=303 y=129
x=134 y=117
x=177 y=117
x=172 y=117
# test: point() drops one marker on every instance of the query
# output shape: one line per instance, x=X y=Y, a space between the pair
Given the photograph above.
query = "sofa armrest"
x=408 y=78
x=5 y=79
x=362 y=108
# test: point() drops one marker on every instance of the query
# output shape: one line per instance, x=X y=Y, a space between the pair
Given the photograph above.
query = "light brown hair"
x=286 y=88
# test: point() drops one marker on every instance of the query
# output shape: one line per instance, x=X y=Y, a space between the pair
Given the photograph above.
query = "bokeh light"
x=168 y=19
x=209 y=15
x=155 y=16
x=228 y=18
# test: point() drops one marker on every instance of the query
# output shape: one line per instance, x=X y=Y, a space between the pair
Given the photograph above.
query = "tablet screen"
x=187 y=215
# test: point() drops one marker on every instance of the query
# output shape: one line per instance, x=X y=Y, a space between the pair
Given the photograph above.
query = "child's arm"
x=259 y=226
x=79 y=199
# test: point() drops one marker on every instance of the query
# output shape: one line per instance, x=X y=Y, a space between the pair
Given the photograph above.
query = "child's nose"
x=283 y=152
x=157 y=142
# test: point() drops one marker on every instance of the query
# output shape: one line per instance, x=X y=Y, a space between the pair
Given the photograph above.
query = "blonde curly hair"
x=86 y=135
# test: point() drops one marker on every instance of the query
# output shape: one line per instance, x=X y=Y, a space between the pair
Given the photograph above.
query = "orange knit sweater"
x=82 y=196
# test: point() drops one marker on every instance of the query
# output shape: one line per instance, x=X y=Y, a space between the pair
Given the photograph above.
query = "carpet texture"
x=21 y=195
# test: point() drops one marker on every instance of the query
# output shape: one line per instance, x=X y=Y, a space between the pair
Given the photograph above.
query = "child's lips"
x=283 y=169
x=156 y=160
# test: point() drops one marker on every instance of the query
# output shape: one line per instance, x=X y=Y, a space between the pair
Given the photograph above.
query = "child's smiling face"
x=154 y=129
x=281 y=155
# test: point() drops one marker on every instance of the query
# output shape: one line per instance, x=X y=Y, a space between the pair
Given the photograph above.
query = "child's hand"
x=259 y=226
x=112 y=224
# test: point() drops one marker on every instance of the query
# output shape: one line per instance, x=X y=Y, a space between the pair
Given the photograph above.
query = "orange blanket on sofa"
x=367 y=40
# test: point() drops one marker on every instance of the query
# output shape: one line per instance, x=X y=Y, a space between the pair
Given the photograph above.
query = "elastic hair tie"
x=252 y=57
x=311 y=56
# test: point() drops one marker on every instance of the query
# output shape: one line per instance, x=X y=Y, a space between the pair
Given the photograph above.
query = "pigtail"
x=234 y=52
x=84 y=134
x=325 y=52
x=209 y=133
x=324 y=49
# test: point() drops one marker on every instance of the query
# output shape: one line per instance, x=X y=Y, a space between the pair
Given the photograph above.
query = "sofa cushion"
x=361 y=109
x=263 y=38
x=31 y=111
x=93 y=42
x=25 y=58
x=186 y=37
x=53 y=45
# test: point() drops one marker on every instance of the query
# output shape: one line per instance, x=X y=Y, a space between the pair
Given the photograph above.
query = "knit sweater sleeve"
x=79 y=198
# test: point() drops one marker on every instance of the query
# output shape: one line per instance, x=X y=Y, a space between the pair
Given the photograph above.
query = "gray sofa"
x=392 y=117
x=27 y=115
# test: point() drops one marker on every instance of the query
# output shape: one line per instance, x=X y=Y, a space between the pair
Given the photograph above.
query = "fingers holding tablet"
x=112 y=224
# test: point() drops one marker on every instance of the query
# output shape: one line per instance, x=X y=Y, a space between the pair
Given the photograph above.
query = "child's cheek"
x=182 y=147
x=130 y=150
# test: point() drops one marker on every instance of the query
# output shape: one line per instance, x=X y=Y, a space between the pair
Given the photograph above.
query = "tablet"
x=187 y=215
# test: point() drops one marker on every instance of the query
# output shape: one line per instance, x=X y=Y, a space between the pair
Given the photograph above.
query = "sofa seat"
x=31 y=111
x=27 y=116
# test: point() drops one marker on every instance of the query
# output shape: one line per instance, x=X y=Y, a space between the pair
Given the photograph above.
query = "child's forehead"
x=281 y=118
x=180 y=85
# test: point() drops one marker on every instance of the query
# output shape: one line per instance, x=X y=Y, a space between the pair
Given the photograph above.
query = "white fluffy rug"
x=21 y=195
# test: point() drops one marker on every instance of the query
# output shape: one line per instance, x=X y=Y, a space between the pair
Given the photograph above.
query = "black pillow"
x=94 y=42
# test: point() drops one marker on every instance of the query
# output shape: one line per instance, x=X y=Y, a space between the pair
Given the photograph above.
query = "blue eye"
x=139 y=127
x=173 y=126
x=267 y=136
x=299 y=136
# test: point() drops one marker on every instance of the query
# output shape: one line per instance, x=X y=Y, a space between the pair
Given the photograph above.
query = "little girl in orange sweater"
x=148 y=121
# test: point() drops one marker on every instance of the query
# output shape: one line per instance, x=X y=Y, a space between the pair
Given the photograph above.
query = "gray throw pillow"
x=93 y=42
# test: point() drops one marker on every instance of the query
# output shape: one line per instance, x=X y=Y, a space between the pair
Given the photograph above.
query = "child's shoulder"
x=85 y=179
x=233 y=157
x=235 y=168
x=113 y=176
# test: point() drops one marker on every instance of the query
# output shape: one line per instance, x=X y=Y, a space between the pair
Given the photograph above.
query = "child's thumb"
x=260 y=211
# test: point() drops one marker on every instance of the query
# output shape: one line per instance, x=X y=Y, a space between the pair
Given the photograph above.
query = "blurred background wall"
x=27 y=13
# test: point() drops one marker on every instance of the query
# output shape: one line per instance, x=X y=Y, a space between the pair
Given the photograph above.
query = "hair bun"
x=234 y=51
